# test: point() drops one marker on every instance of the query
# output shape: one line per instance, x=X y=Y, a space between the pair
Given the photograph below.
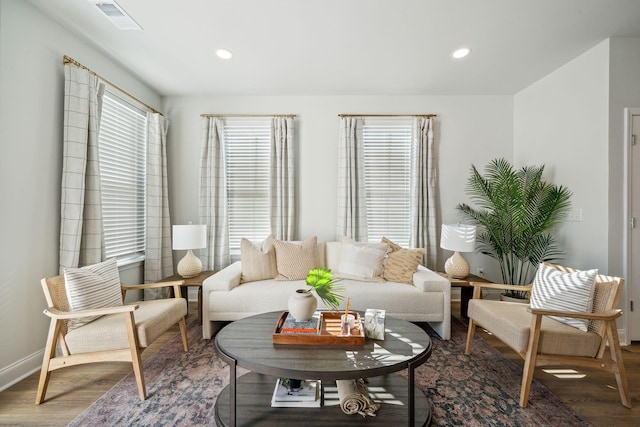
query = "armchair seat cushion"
x=511 y=323
x=109 y=332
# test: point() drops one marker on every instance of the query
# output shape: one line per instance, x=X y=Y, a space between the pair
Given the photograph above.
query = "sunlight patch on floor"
x=565 y=373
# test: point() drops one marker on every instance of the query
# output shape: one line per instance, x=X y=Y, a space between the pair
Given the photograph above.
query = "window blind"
x=387 y=166
x=247 y=149
x=122 y=144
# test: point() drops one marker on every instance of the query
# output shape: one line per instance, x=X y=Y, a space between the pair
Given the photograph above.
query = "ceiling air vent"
x=114 y=13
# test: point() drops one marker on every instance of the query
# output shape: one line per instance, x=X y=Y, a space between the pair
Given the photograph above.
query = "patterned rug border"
x=477 y=390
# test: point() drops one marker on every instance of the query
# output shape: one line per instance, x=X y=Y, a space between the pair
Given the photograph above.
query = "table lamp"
x=188 y=237
x=457 y=238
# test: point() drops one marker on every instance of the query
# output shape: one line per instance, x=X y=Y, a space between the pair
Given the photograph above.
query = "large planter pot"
x=302 y=304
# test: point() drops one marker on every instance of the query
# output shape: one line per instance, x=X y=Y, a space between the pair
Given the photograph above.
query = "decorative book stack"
x=308 y=396
x=292 y=326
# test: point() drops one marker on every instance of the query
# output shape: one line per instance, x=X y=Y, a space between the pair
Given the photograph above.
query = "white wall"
x=562 y=121
x=470 y=129
x=31 y=115
x=624 y=92
x=573 y=121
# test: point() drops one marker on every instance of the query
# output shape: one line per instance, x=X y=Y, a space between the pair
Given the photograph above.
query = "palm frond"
x=515 y=210
x=326 y=286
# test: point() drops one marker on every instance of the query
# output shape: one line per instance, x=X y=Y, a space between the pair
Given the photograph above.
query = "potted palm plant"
x=516 y=210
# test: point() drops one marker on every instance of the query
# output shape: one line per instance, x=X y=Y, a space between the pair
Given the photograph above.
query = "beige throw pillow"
x=362 y=261
x=401 y=263
x=93 y=286
x=294 y=260
x=258 y=260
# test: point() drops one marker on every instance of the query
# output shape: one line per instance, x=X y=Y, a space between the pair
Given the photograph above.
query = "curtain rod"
x=68 y=60
x=248 y=115
x=387 y=115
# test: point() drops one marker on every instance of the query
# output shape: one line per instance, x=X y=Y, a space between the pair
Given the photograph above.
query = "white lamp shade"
x=458 y=237
x=191 y=236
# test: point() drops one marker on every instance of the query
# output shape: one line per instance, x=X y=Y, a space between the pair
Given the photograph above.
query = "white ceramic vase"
x=302 y=304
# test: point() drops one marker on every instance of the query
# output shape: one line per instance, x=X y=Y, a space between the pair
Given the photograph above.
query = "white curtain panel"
x=424 y=190
x=81 y=233
x=158 y=258
x=282 y=186
x=213 y=195
x=352 y=198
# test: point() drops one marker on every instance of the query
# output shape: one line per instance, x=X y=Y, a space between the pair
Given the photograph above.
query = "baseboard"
x=21 y=369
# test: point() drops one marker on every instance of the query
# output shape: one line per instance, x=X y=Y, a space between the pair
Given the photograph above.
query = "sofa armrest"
x=224 y=280
x=430 y=281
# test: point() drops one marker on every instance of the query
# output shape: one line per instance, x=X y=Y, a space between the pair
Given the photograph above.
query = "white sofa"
x=225 y=298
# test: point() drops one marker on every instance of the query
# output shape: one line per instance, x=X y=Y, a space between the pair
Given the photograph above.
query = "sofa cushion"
x=556 y=290
x=362 y=261
x=333 y=250
x=93 y=286
x=258 y=260
x=401 y=263
x=152 y=319
x=294 y=260
x=511 y=323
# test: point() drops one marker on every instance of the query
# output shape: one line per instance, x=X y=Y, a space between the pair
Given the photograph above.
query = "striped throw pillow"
x=93 y=286
x=556 y=290
x=258 y=261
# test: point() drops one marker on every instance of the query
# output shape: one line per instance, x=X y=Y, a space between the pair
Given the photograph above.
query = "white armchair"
x=541 y=340
x=120 y=333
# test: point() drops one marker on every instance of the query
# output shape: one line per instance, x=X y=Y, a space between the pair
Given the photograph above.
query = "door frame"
x=629 y=112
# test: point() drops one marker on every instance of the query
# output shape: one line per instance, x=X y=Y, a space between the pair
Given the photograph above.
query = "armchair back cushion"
x=93 y=286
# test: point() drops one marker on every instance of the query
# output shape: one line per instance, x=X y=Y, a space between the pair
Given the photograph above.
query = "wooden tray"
x=329 y=332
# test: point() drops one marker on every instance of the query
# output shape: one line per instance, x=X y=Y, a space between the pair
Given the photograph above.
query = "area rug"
x=477 y=390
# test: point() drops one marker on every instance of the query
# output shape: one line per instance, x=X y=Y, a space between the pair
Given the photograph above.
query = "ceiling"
x=347 y=47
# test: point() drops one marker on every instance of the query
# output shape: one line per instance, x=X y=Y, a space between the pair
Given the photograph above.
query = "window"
x=387 y=170
x=248 y=148
x=122 y=143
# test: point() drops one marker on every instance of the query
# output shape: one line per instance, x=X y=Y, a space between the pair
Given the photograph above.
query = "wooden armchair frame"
x=607 y=330
x=59 y=312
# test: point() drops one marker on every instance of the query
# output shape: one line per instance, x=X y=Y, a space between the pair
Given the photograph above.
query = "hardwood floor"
x=74 y=389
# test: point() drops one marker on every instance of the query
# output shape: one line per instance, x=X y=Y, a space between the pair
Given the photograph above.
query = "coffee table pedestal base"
x=254 y=409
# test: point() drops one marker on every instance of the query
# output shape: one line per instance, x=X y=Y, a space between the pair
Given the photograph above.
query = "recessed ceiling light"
x=461 y=53
x=224 y=54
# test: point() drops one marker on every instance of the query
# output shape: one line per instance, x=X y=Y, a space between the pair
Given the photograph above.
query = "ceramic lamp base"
x=456 y=266
x=189 y=266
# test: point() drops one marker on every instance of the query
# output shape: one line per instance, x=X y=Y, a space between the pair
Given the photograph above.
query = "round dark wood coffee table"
x=246 y=400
